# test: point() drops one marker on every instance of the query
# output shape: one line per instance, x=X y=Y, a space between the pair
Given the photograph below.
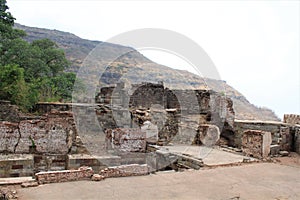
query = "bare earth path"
x=255 y=181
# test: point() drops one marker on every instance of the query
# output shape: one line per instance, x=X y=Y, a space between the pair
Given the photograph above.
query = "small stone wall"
x=49 y=162
x=64 y=176
x=280 y=132
x=291 y=119
x=96 y=163
x=126 y=139
x=16 y=165
x=256 y=143
x=125 y=170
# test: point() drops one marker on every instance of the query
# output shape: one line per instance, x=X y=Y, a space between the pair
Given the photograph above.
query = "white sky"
x=254 y=44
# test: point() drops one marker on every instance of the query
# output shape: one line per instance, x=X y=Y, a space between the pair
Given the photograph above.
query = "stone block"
x=274 y=149
x=209 y=134
x=16 y=165
x=125 y=170
x=97 y=177
x=256 y=143
x=126 y=139
x=29 y=184
x=151 y=131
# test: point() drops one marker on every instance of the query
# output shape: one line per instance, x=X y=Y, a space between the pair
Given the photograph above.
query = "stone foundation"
x=16 y=165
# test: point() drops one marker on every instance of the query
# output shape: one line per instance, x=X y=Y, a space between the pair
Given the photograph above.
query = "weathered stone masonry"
x=54 y=132
x=256 y=143
x=291 y=119
x=146 y=113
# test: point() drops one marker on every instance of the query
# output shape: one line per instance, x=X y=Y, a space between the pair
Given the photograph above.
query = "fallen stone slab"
x=29 y=184
x=284 y=153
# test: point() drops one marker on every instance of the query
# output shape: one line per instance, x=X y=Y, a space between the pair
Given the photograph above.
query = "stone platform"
x=211 y=156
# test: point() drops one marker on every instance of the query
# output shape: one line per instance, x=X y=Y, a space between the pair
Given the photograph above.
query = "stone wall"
x=280 y=132
x=176 y=113
x=49 y=162
x=291 y=119
x=125 y=170
x=16 y=165
x=9 y=112
x=9 y=136
x=146 y=95
x=54 y=132
x=64 y=176
x=126 y=139
x=256 y=143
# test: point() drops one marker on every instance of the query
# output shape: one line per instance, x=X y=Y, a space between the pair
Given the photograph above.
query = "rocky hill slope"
x=142 y=69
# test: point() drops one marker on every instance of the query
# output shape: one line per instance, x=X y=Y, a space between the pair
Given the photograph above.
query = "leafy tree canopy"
x=30 y=72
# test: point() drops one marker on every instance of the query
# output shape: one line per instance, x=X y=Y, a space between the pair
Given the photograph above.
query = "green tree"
x=14 y=88
x=30 y=71
x=5 y=16
x=51 y=56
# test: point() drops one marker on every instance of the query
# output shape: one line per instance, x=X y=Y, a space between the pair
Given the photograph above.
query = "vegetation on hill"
x=30 y=71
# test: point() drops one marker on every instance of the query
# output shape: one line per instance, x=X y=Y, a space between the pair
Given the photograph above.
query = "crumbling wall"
x=256 y=143
x=146 y=95
x=64 y=176
x=9 y=137
x=240 y=126
x=9 y=112
x=54 y=133
x=291 y=119
x=126 y=139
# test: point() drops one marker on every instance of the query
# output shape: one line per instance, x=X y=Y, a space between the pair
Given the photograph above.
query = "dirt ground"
x=292 y=160
x=278 y=181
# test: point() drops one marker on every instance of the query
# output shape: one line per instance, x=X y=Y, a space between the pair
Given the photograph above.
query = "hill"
x=142 y=69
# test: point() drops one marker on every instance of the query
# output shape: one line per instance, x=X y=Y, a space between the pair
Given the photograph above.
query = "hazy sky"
x=254 y=44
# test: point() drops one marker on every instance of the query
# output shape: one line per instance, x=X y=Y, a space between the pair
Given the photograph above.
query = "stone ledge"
x=125 y=170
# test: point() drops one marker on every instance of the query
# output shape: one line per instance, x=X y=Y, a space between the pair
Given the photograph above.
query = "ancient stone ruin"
x=143 y=129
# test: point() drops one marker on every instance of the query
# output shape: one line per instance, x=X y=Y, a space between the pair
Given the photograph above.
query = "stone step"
x=16 y=180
